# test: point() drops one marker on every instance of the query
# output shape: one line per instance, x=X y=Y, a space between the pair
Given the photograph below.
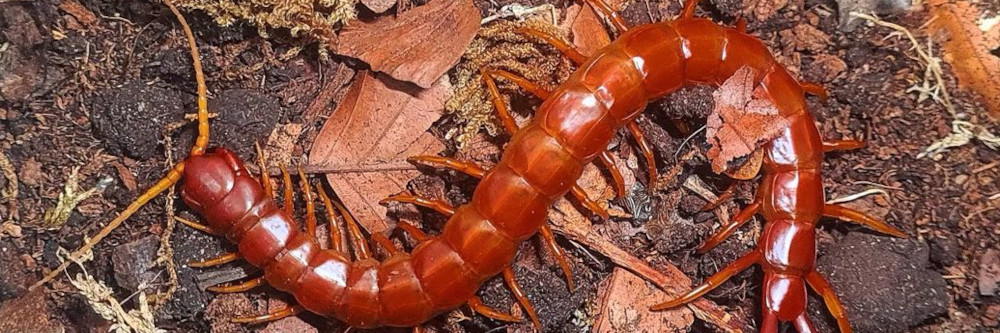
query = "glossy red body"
x=539 y=165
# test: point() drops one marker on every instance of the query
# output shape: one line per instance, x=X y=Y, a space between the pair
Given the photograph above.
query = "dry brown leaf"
x=763 y=9
x=589 y=34
x=968 y=49
x=742 y=120
x=623 y=301
x=365 y=143
x=419 y=45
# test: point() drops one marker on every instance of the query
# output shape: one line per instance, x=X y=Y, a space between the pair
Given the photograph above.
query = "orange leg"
x=713 y=281
x=361 y=250
x=386 y=244
x=287 y=179
x=508 y=276
x=417 y=234
x=847 y=214
x=310 y=206
x=741 y=24
x=609 y=13
x=803 y=324
x=841 y=145
x=275 y=315
x=723 y=197
x=239 y=287
x=823 y=288
x=336 y=240
x=616 y=174
x=647 y=151
x=816 y=90
x=222 y=259
x=197 y=226
x=728 y=229
x=477 y=305
x=550 y=241
x=265 y=178
x=522 y=82
x=437 y=205
x=569 y=51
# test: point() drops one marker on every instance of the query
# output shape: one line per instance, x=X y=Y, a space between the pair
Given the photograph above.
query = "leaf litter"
x=742 y=121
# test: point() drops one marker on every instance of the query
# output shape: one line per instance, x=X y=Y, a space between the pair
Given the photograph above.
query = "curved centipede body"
x=540 y=164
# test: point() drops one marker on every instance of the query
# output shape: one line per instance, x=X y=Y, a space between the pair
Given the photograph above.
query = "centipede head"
x=209 y=177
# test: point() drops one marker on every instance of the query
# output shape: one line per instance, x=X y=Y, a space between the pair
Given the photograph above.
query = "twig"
x=858 y=195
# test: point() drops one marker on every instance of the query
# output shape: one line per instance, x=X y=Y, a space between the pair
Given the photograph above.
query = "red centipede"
x=571 y=128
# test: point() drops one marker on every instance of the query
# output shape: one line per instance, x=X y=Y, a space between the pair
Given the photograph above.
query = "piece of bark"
x=967 y=49
x=624 y=301
x=419 y=45
x=589 y=34
x=364 y=145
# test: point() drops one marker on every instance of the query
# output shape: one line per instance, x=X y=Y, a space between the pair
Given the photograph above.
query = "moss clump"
x=316 y=18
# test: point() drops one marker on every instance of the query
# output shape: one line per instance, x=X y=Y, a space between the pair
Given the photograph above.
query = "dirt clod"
x=131 y=118
x=28 y=314
x=883 y=282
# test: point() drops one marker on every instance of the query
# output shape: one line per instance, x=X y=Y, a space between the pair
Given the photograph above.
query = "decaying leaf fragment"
x=624 y=301
x=419 y=45
x=589 y=34
x=364 y=145
x=968 y=49
x=743 y=119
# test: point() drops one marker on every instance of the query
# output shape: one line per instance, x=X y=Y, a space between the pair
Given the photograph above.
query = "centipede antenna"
x=172 y=177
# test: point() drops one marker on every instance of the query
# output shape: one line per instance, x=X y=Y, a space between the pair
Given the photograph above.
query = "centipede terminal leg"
x=521 y=296
x=238 y=287
x=216 y=261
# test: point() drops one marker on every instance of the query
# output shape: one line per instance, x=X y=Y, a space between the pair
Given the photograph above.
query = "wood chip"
x=624 y=301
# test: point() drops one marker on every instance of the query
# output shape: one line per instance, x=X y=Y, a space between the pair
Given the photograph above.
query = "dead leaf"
x=763 y=9
x=968 y=49
x=126 y=176
x=743 y=119
x=589 y=34
x=419 y=45
x=623 y=305
x=375 y=128
x=805 y=37
x=379 y=6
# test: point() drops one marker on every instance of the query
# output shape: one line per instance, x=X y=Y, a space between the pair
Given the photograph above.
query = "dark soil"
x=98 y=96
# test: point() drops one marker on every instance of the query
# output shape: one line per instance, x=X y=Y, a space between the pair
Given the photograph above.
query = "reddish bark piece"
x=744 y=118
x=623 y=305
x=364 y=145
x=419 y=45
x=589 y=34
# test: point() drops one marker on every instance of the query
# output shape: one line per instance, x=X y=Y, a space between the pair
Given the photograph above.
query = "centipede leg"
x=616 y=174
x=265 y=178
x=815 y=89
x=741 y=24
x=823 y=288
x=197 y=226
x=275 y=315
x=803 y=324
x=569 y=51
x=610 y=13
x=336 y=240
x=769 y=321
x=728 y=229
x=310 y=206
x=386 y=244
x=847 y=214
x=417 y=234
x=287 y=181
x=647 y=152
x=550 y=241
x=521 y=296
x=239 y=287
x=713 y=281
x=520 y=81
x=437 y=205
x=477 y=305
x=726 y=194
x=842 y=145
x=222 y=259
x=361 y=250
x=689 y=8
